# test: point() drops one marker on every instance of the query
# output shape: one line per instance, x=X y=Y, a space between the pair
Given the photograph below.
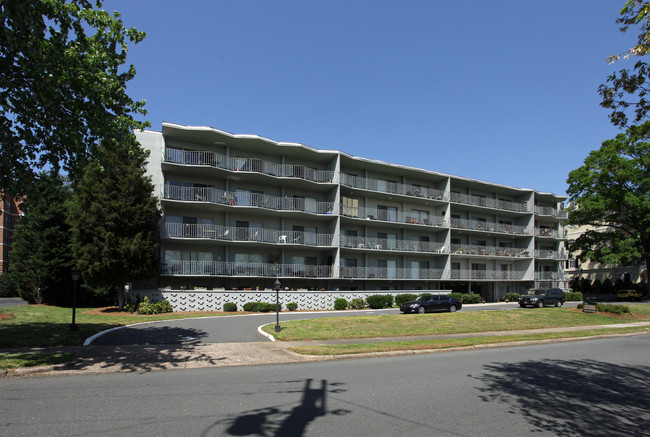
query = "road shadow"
x=568 y=398
x=153 y=334
x=280 y=420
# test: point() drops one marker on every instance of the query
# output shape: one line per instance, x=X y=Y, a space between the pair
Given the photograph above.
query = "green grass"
x=441 y=323
x=15 y=361
x=41 y=325
x=364 y=348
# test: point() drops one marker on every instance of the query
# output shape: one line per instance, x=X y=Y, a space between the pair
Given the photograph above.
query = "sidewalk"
x=108 y=359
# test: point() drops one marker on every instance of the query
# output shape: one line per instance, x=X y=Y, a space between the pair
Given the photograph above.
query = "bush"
x=230 y=307
x=7 y=288
x=457 y=296
x=615 y=309
x=379 y=301
x=292 y=306
x=163 y=306
x=260 y=307
x=573 y=296
x=401 y=298
x=471 y=298
x=340 y=304
x=357 y=303
x=510 y=297
x=147 y=307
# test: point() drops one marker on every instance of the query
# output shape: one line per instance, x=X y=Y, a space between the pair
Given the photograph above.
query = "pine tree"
x=40 y=253
x=114 y=217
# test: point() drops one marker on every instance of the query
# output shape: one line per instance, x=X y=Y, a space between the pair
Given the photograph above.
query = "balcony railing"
x=221 y=197
x=550 y=254
x=487 y=202
x=212 y=159
x=549 y=276
x=391 y=216
x=465 y=249
x=545 y=232
x=489 y=275
x=231 y=233
x=224 y=268
x=389 y=273
x=553 y=212
x=386 y=244
x=391 y=187
x=476 y=225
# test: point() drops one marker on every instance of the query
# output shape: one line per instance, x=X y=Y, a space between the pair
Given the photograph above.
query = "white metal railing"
x=457 y=223
x=487 y=202
x=230 y=198
x=231 y=233
x=225 y=268
x=546 y=232
x=468 y=249
x=391 y=187
x=549 y=276
x=389 y=273
x=391 y=216
x=212 y=159
x=553 y=212
x=549 y=254
x=375 y=243
x=494 y=275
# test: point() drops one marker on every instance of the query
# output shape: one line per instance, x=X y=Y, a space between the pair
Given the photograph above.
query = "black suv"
x=541 y=298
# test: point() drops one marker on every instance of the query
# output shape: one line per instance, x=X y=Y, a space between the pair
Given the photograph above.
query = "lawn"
x=42 y=325
x=444 y=323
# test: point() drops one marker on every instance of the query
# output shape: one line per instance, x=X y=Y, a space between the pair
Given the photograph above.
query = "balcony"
x=549 y=276
x=476 y=225
x=382 y=186
x=487 y=275
x=212 y=159
x=507 y=205
x=231 y=233
x=389 y=273
x=224 y=268
x=547 y=233
x=466 y=249
x=240 y=199
x=391 y=216
x=549 y=211
x=372 y=243
x=550 y=254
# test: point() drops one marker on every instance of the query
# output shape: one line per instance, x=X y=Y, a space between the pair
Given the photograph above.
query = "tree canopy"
x=612 y=192
x=62 y=86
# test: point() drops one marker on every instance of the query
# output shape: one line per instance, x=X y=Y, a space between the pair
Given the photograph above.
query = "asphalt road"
x=587 y=388
x=232 y=329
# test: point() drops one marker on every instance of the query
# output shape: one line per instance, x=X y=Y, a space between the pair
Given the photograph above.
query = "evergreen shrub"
x=230 y=307
x=340 y=304
x=401 y=298
x=357 y=303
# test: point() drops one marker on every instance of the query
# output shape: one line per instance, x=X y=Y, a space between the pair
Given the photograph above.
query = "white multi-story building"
x=241 y=211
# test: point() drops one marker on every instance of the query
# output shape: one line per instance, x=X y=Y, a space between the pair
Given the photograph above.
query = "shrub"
x=511 y=297
x=230 y=307
x=146 y=307
x=401 y=298
x=258 y=307
x=379 y=301
x=573 y=296
x=292 y=306
x=458 y=296
x=471 y=298
x=615 y=309
x=7 y=288
x=357 y=303
x=340 y=304
x=163 y=306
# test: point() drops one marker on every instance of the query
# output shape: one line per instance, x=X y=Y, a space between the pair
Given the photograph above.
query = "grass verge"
x=15 y=361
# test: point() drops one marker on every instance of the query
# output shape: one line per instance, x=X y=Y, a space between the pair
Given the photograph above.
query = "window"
x=350 y=207
x=387 y=213
x=418 y=216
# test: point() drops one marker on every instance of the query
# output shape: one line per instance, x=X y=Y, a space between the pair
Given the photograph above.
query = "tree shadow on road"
x=280 y=420
x=567 y=398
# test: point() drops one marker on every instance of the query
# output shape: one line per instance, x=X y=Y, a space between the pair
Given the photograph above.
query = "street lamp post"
x=277 y=286
x=75 y=285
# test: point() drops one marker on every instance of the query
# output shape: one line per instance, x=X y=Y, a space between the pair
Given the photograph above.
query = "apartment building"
x=9 y=215
x=241 y=211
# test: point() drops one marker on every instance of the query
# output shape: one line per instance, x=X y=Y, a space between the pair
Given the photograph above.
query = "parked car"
x=541 y=298
x=431 y=302
x=629 y=295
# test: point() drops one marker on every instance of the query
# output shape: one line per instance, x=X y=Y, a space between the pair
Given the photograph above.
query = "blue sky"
x=497 y=90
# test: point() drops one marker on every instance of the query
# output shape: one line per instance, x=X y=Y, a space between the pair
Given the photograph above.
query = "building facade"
x=9 y=216
x=241 y=211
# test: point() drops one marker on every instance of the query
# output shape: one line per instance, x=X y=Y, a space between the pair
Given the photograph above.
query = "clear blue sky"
x=500 y=90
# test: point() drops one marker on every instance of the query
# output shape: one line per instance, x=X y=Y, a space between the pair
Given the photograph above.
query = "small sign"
x=589 y=308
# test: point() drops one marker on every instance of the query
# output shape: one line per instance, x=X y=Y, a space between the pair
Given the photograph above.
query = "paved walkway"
x=103 y=359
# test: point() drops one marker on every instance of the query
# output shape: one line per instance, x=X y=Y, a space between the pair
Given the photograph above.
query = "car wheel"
x=421 y=310
x=559 y=303
x=452 y=309
x=523 y=306
x=540 y=304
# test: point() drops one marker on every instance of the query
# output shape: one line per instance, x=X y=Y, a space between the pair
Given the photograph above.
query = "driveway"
x=11 y=302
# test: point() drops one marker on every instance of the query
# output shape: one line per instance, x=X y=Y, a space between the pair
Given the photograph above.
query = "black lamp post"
x=276 y=287
x=75 y=285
